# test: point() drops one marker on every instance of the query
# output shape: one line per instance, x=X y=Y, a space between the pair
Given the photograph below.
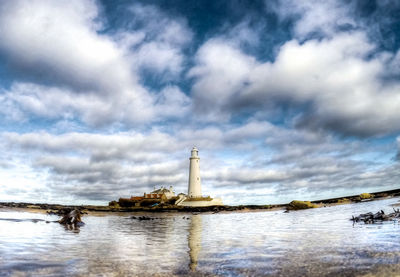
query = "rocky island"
x=123 y=206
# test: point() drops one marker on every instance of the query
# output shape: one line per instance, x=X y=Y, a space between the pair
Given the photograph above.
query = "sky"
x=284 y=99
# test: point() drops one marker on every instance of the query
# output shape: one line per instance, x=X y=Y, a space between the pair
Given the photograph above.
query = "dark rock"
x=369 y=218
x=72 y=218
x=52 y=213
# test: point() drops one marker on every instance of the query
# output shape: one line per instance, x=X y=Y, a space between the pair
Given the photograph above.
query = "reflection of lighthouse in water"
x=194 y=240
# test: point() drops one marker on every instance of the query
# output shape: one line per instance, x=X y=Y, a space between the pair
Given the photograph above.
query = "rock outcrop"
x=72 y=219
x=380 y=216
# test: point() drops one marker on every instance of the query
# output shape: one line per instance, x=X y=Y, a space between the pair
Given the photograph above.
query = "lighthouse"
x=194 y=198
x=194 y=188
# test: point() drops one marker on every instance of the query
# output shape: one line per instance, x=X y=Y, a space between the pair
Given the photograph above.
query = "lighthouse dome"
x=195 y=152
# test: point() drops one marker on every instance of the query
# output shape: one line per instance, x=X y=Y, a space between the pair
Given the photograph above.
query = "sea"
x=313 y=242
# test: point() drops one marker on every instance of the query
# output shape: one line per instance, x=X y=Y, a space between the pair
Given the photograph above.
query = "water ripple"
x=317 y=242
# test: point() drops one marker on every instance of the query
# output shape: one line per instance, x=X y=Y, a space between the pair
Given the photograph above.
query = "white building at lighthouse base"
x=183 y=200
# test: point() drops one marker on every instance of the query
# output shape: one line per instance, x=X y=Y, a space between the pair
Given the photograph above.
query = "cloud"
x=252 y=157
x=161 y=48
x=279 y=107
x=220 y=72
x=68 y=67
x=99 y=167
x=24 y=101
x=60 y=40
x=335 y=83
x=171 y=102
x=121 y=145
x=332 y=75
x=323 y=18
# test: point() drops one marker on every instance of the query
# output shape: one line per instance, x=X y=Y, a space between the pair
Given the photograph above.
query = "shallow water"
x=316 y=242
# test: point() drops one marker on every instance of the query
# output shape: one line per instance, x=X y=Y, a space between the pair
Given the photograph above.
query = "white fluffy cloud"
x=26 y=100
x=160 y=48
x=221 y=72
x=335 y=76
x=60 y=40
x=331 y=74
x=80 y=73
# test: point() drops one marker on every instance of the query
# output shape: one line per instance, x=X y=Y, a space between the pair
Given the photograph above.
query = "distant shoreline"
x=53 y=208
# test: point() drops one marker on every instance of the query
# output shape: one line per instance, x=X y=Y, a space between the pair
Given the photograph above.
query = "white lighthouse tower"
x=194 y=197
x=194 y=188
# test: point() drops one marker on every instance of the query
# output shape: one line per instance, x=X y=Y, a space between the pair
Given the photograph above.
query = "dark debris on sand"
x=369 y=218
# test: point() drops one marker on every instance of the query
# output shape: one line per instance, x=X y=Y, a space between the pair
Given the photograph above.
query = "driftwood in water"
x=377 y=217
x=146 y=218
x=72 y=218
